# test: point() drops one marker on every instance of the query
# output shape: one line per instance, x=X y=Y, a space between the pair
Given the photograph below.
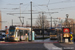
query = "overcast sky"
x=63 y=7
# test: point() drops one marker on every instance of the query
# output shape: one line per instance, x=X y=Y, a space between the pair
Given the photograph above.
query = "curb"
x=2 y=41
x=70 y=43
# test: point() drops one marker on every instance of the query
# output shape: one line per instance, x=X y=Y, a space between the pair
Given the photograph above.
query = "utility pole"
x=55 y=23
x=51 y=22
x=43 y=25
x=31 y=19
x=47 y=18
x=12 y=22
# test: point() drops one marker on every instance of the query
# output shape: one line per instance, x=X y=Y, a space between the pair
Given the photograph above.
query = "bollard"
x=61 y=37
x=33 y=35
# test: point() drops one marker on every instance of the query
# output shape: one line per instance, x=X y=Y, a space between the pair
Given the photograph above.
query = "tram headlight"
x=3 y=38
x=17 y=28
x=16 y=39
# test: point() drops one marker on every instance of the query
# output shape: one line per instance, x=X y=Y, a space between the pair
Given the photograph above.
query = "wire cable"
x=25 y=8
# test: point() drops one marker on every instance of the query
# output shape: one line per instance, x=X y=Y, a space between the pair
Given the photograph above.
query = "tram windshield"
x=11 y=30
x=53 y=32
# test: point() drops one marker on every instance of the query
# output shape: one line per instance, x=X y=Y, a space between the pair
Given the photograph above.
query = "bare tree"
x=69 y=22
x=39 y=21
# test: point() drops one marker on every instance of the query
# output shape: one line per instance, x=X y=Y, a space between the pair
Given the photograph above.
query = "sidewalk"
x=46 y=41
x=67 y=46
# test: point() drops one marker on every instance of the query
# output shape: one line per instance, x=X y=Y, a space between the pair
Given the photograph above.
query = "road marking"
x=50 y=46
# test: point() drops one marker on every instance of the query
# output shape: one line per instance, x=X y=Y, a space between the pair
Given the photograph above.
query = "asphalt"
x=23 y=46
x=35 y=41
x=46 y=44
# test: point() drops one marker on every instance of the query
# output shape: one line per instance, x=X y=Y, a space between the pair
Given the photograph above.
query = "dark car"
x=2 y=36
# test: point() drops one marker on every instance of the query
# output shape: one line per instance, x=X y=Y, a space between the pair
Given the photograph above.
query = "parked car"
x=2 y=36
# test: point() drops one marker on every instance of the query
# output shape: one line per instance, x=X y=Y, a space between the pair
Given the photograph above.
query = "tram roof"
x=23 y=28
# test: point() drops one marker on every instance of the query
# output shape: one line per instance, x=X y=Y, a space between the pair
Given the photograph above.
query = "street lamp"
x=66 y=19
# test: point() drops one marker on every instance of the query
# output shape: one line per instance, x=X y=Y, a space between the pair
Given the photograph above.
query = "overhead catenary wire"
x=67 y=1
x=39 y=8
x=15 y=5
x=48 y=2
x=20 y=10
x=48 y=8
x=63 y=8
x=47 y=5
x=54 y=3
x=35 y=8
x=25 y=8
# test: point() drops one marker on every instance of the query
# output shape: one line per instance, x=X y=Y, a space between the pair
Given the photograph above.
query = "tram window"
x=18 y=33
x=25 y=31
x=21 y=32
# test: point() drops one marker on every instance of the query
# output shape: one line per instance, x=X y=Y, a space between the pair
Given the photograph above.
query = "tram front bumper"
x=11 y=38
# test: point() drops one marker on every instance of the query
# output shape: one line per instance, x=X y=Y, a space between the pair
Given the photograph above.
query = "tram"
x=53 y=34
x=18 y=33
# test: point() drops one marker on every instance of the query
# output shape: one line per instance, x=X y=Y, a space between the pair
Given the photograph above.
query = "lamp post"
x=66 y=19
x=31 y=19
x=43 y=25
x=12 y=22
x=51 y=22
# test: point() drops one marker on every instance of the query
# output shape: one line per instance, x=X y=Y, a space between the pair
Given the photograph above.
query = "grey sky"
x=63 y=7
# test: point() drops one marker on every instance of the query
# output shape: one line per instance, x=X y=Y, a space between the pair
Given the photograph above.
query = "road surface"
x=36 y=45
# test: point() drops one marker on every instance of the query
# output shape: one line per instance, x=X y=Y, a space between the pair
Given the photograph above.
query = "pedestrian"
x=26 y=37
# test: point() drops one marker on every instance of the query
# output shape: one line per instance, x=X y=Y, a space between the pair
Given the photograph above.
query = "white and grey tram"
x=18 y=33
